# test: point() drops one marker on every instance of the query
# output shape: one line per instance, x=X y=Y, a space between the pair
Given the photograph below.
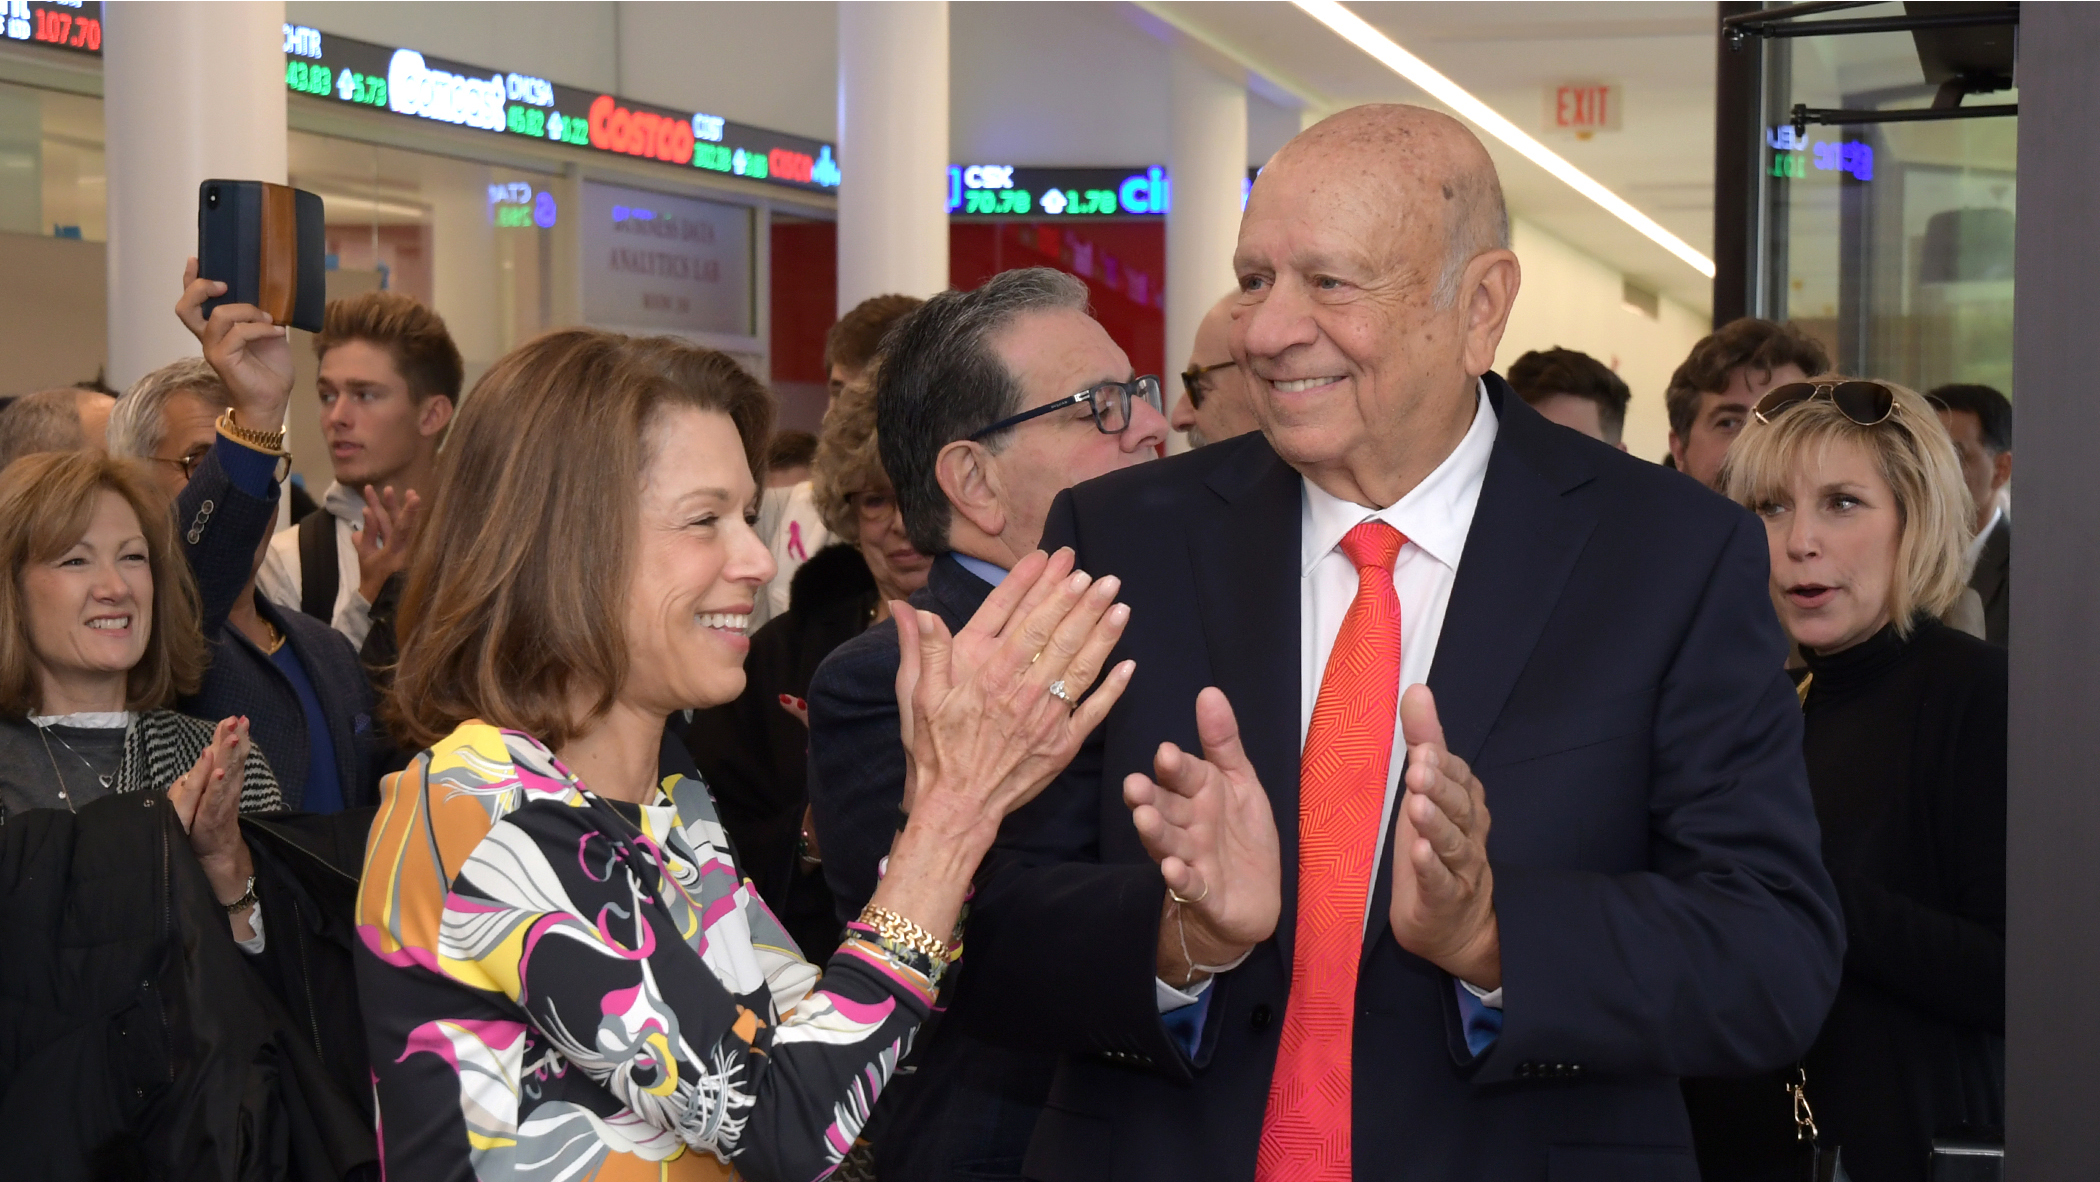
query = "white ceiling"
x=1508 y=54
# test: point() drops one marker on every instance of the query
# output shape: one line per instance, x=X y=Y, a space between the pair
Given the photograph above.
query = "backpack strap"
x=320 y=575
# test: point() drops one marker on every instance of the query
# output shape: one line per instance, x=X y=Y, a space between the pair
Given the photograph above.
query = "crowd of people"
x=595 y=780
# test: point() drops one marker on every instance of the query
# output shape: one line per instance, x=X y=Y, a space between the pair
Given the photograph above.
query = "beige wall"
x=1572 y=300
x=53 y=316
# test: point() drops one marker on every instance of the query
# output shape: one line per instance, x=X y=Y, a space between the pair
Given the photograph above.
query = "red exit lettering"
x=1583 y=107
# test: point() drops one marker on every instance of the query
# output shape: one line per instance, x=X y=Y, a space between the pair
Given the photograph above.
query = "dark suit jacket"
x=1992 y=580
x=221 y=528
x=1611 y=666
x=968 y=1107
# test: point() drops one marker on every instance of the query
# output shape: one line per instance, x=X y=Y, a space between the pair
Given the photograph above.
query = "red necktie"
x=1341 y=791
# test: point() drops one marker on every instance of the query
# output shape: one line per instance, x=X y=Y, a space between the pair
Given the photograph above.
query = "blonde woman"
x=1905 y=719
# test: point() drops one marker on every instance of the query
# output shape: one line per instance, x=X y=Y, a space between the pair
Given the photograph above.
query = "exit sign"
x=1584 y=108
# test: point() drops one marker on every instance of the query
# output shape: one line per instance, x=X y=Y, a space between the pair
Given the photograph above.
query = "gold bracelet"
x=894 y=927
x=269 y=441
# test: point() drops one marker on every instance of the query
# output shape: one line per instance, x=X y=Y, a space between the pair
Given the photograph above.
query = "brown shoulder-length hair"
x=517 y=591
x=46 y=502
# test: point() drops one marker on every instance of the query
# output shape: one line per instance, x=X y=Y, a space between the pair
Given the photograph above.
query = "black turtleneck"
x=1905 y=743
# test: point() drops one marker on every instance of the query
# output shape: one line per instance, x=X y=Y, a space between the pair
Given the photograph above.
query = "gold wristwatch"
x=269 y=442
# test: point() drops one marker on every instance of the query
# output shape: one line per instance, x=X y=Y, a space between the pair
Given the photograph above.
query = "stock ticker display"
x=402 y=81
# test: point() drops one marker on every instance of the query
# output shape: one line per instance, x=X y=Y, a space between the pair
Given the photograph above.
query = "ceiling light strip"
x=1355 y=30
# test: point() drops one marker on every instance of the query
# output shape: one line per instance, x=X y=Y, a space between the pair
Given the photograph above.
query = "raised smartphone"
x=266 y=243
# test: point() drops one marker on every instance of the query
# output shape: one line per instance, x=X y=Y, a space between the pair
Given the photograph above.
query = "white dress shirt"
x=1435 y=517
x=1982 y=538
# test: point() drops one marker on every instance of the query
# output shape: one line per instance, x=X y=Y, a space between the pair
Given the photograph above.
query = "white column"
x=1207 y=161
x=465 y=279
x=190 y=91
x=893 y=146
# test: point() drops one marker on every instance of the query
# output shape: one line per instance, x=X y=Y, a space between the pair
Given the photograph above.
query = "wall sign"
x=662 y=263
x=1584 y=108
x=1005 y=190
x=60 y=24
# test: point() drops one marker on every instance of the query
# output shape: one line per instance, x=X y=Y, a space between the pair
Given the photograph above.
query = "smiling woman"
x=98 y=635
x=588 y=568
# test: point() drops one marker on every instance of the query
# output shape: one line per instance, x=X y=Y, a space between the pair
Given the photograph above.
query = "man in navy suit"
x=1603 y=679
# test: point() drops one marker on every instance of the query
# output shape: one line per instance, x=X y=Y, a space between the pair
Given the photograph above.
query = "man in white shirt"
x=389 y=381
x=1302 y=955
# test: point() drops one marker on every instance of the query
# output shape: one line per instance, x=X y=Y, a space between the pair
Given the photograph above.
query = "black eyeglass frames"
x=1192 y=381
x=1110 y=402
x=1865 y=403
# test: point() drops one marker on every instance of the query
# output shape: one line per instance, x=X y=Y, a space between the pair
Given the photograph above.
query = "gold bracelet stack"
x=896 y=929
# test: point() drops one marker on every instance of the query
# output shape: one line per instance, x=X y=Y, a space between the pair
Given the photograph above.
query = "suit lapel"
x=1523 y=543
x=1245 y=557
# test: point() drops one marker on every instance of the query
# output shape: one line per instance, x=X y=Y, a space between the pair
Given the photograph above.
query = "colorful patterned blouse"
x=559 y=986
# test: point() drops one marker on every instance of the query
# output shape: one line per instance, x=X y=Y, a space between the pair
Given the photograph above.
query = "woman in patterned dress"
x=563 y=972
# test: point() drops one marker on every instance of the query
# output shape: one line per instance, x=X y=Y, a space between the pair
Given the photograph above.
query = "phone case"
x=268 y=244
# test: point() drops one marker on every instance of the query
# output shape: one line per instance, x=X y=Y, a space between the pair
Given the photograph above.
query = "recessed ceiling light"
x=1358 y=32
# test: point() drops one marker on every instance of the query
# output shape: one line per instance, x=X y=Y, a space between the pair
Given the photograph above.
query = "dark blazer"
x=1992 y=580
x=967 y=1109
x=1610 y=665
x=221 y=528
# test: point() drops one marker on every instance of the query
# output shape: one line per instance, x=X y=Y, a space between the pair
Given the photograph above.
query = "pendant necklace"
x=44 y=733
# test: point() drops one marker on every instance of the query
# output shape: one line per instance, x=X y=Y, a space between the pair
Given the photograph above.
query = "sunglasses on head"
x=1865 y=403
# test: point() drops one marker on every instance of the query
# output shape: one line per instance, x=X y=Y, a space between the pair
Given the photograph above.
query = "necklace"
x=275 y=639
x=65 y=794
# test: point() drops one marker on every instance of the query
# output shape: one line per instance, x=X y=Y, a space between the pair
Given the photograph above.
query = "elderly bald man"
x=66 y=419
x=1264 y=916
x=1213 y=403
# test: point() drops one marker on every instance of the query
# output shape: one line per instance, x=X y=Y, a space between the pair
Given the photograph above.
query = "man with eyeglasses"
x=1213 y=402
x=988 y=404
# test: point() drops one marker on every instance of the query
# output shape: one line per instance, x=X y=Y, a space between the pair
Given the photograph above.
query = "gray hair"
x=138 y=425
x=938 y=380
x=48 y=420
x=1477 y=222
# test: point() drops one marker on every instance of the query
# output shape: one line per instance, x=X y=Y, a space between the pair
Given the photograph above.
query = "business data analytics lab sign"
x=658 y=263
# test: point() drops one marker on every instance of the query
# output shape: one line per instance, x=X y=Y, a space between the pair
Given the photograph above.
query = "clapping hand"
x=1443 y=887
x=1209 y=825
x=207 y=800
x=987 y=726
x=249 y=351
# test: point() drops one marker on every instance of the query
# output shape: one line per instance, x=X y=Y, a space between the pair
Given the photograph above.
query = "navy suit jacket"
x=221 y=527
x=968 y=1107
x=1610 y=665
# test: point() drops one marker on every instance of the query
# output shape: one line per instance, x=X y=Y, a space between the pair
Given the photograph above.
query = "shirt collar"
x=994 y=575
x=1983 y=535
x=1435 y=515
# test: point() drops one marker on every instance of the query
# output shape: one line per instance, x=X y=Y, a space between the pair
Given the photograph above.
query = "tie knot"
x=1374 y=543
